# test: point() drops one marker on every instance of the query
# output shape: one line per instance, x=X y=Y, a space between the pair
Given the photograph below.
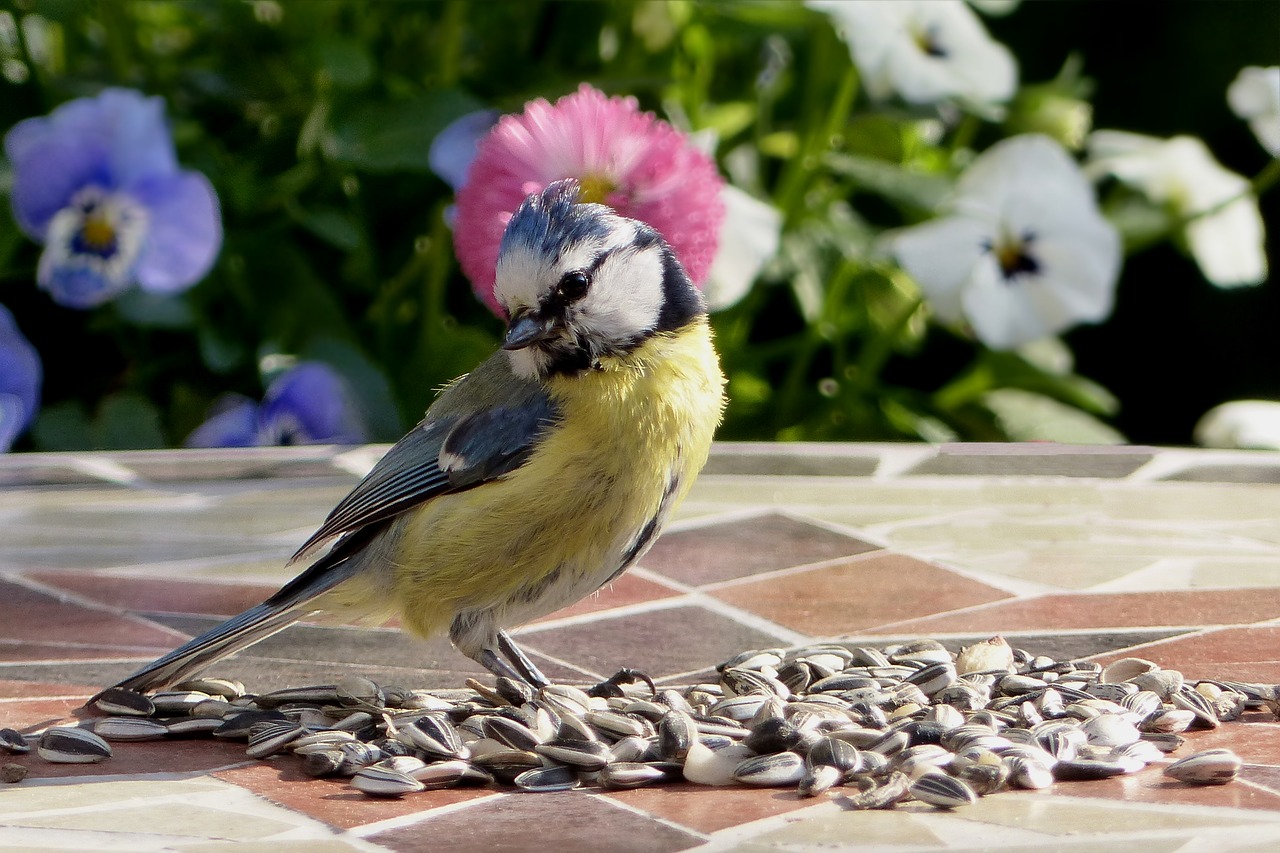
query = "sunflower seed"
x=1210 y=767
x=588 y=755
x=771 y=771
x=942 y=791
x=118 y=701
x=548 y=779
x=68 y=745
x=129 y=729
x=12 y=741
x=271 y=737
x=379 y=781
x=623 y=775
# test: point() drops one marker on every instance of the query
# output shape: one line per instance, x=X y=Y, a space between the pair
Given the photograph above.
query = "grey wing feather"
x=447 y=452
x=480 y=428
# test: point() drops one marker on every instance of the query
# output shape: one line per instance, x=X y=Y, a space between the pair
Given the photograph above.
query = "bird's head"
x=581 y=283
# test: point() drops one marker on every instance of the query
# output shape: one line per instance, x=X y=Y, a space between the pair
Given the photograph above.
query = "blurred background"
x=314 y=119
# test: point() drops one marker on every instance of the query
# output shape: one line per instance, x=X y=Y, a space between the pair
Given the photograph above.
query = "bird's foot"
x=612 y=686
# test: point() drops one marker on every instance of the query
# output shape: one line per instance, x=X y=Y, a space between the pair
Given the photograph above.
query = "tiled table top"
x=107 y=560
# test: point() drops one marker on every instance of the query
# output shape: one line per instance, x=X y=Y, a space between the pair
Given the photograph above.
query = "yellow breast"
x=631 y=434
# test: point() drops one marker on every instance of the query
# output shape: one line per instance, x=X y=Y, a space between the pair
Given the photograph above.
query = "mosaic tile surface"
x=108 y=560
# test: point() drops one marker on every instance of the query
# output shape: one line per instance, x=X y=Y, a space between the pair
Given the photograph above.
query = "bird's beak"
x=528 y=328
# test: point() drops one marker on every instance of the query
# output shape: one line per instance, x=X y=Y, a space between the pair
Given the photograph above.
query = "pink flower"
x=637 y=164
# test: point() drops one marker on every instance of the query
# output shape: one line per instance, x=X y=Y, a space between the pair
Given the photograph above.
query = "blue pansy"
x=307 y=404
x=454 y=148
x=20 y=376
x=97 y=182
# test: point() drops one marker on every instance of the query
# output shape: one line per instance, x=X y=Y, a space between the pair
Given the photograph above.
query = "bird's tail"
x=256 y=623
x=295 y=600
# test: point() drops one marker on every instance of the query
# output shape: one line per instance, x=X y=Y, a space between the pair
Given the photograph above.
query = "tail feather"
x=256 y=623
x=295 y=600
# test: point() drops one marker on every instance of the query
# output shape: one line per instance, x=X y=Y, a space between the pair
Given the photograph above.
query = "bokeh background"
x=313 y=120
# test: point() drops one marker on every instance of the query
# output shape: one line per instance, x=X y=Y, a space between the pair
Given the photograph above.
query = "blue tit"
x=535 y=479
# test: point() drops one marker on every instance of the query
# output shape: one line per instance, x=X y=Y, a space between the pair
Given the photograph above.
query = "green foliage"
x=313 y=119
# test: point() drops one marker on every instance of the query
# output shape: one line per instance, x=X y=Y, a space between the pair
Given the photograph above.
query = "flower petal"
x=11 y=420
x=750 y=235
x=110 y=141
x=20 y=374
x=941 y=255
x=310 y=404
x=454 y=148
x=76 y=285
x=1250 y=424
x=643 y=167
x=1230 y=245
x=234 y=423
x=185 y=231
x=49 y=166
x=1255 y=96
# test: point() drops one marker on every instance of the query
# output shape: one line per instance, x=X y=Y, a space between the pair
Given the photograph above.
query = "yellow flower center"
x=97 y=234
x=595 y=189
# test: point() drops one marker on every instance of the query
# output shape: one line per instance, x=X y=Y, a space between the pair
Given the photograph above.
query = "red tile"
x=1152 y=786
x=711 y=809
x=334 y=801
x=40 y=689
x=35 y=616
x=1255 y=737
x=857 y=594
x=175 y=756
x=159 y=595
x=1263 y=777
x=1111 y=610
x=736 y=549
x=61 y=651
x=29 y=715
x=515 y=823
x=659 y=642
x=1239 y=654
x=628 y=589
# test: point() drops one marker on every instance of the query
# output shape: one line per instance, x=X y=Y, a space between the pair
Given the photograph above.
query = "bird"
x=532 y=481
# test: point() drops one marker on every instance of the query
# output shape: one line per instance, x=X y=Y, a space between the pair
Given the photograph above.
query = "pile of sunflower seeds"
x=911 y=721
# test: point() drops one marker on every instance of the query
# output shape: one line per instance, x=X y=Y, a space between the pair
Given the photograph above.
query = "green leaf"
x=365 y=380
x=994 y=370
x=916 y=189
x=62 y=426
x=154 y=310
x=127 y=421
x=330 y=224
x=1027 y=416
x=387 y=136
x=344 y=61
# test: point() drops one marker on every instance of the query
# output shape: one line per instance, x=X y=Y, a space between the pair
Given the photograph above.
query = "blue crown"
x=548 y=221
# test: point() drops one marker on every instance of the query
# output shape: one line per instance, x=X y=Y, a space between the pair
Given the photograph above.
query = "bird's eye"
x=574 y=285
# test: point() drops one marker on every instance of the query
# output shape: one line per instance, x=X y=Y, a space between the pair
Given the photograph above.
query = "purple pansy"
x=97 y=182
x=20 y=376
x=307 y=404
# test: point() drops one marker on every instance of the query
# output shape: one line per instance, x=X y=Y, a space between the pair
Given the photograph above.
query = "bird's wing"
x=470 y=436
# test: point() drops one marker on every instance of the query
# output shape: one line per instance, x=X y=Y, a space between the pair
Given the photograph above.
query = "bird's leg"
x=489 y=660
x=528 y=673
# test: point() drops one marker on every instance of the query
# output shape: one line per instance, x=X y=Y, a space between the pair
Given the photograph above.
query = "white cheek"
x=627 y=297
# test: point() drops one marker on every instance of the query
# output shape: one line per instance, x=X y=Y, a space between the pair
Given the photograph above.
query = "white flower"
x=1252 y=424
x=749 y=236
x=1023 y=253
x=1255 y=96
x=995 y=8
x=925 y=50
x=1224 y=231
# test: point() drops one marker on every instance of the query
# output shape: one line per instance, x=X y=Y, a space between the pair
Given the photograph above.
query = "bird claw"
x=612 y=687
